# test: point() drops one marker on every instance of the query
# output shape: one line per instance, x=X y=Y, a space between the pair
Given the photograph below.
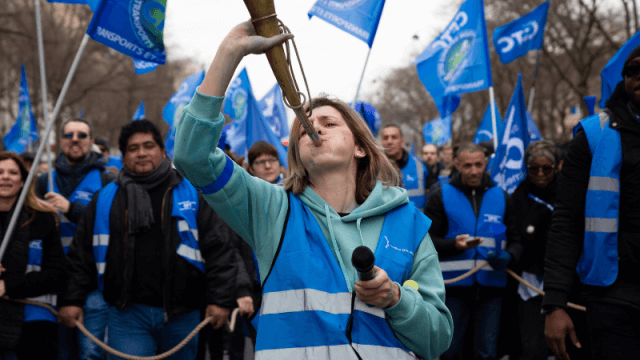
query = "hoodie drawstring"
x=335 y=246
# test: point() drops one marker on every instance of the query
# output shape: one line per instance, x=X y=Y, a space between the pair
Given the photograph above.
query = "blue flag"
x=591 y=104
x=170 y=142
x=516 y=38
x=437 y=131
x=508 y=168
x=132 y=27
x=485 y=129
x=370 y=115
x=93 y=4
x=173 y=109
x=274 y=112
x=249 y=124
x=24 y=131
x=457 y=61
x=534 y=132
x=611 y=75
x=142 y=67
x=81 y=113
x=139 y=115
x=359 y=18
x=447 y=105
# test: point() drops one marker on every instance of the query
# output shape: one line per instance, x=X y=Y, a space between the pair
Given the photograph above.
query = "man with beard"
x=473 y=221
x=431 y=160
x=78 y=174
x=595 y=227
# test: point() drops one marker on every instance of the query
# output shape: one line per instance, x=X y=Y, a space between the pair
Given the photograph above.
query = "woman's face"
x=541 y=171
x=338 y=149
x=10 y=180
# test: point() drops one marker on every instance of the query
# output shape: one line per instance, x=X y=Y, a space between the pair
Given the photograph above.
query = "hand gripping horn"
x=266 y=23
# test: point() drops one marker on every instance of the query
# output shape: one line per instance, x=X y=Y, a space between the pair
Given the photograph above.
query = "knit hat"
x=632 y=55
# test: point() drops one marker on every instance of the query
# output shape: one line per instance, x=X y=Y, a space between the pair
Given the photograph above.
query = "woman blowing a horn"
x=336 y=197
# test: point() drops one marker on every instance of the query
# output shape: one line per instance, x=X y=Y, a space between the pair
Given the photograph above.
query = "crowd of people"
x=141 y=254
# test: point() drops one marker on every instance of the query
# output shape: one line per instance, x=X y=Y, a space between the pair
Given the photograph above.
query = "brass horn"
x=263 y=17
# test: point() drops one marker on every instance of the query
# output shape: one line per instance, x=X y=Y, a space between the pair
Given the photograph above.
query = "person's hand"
x=245 y=304
x=380 y=291
x=59 y=202
x=218 y=315
x=69 y=314
x=45 y=205
x=3 y=291
x=2 y=269
x=556 y=327
x=461 y=244
x=499 y=260
x=244 y=38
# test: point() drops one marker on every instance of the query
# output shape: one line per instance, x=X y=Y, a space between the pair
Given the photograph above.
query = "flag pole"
x=361 y=78
x=492 y=103
x=533 y=84
x=32 y=171
x=43 y=84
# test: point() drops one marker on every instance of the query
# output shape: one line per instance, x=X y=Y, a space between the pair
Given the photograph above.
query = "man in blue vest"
x=595 y=228
x=79 y=173
x=414 y=173
x=155 y=250
x=473 y=222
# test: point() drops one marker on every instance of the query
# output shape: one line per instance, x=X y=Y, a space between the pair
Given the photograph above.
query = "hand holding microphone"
x=374 y=287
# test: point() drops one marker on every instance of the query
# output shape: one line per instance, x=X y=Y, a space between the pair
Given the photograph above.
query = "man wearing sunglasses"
x=595 y=228
x=78 y=174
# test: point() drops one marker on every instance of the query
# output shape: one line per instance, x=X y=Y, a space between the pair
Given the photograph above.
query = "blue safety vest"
x=598 y=264
x=184 y=209
x=414 y=174
x=462 y=220
x=306 y=305
x=32 y=312
x=83 y=193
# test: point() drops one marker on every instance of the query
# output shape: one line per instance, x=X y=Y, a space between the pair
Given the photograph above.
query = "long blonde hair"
x=371 y=168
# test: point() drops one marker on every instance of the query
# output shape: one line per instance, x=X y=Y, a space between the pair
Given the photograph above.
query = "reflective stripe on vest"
x=598 y=264
x=413 y=180
x=461 y=219
x=34 y=264
x=184 y=209
x=83 y=193
x=305 y=316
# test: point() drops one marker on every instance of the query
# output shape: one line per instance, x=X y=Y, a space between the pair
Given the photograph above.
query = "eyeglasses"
x=263 y=162
x=536 y=169
x=81 y=135
x=632 y=70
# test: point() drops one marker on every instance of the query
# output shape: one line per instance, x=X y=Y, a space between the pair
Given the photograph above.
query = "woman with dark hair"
x=336 y=197
x=264 y=162
x=33 y=267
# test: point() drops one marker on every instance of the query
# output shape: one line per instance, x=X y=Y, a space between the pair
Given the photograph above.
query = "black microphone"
x=363 y=260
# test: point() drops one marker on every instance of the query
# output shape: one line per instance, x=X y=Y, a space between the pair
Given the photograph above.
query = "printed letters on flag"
x=143 y=67
x=437 y=131
x=275 y=113
x=508 y=168
x=359 y=18
x=516 y=38
x=132 y=27
x=249 y=124
x=139 y=115
x=24 y=131
x=485 y=129
x=611 y=75
x=457 y=61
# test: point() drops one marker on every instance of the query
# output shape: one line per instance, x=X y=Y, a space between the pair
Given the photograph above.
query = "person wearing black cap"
x=595 y=228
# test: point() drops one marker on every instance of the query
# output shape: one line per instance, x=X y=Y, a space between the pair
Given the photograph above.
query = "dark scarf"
x=140 y=216
x=67 y=172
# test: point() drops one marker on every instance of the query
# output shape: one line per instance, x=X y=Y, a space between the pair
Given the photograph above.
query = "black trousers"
x=614 y=331
x=38 y=340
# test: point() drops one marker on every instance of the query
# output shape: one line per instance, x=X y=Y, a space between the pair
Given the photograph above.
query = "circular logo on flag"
x=147 y=18
x=454 y=57
x=343 y=4
x=239 y=99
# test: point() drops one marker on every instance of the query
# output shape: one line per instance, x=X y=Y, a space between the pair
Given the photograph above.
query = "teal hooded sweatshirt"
x=256 y=210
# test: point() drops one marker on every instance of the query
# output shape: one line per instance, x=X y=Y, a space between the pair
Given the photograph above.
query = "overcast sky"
x=333 y=59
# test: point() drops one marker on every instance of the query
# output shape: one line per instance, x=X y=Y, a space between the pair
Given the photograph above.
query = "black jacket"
x=50 y=279
x=185 y=287
x=68 y=177
x=440 y=225
x=566 y=237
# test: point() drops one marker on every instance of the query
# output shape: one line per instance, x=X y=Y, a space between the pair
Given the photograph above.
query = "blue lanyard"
x=541 y=202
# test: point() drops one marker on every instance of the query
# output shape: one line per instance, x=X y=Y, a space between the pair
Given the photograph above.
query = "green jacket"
x=256 y=210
